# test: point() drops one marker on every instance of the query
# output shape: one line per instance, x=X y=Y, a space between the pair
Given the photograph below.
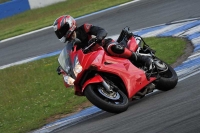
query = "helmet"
x=64 y=27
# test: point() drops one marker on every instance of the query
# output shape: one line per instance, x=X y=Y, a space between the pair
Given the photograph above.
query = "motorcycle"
x=111 y=82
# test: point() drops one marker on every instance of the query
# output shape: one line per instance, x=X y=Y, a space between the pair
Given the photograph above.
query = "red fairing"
x=95 y=79
x=133 y=78
x=86 y=61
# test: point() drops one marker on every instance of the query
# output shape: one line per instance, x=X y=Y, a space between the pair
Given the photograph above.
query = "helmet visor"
x=62 y=31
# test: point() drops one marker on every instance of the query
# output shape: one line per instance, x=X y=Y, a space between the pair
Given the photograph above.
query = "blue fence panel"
x=13 y=7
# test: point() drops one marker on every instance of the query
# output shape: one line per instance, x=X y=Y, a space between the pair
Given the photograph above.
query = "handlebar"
x=87 y=48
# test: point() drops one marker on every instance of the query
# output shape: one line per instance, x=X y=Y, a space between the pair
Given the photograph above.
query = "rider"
x=66 y=29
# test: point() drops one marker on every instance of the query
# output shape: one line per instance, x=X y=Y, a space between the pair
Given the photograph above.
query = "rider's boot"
x=144 y=60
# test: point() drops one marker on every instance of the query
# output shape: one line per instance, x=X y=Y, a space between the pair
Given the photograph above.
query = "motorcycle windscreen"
x=64 y=58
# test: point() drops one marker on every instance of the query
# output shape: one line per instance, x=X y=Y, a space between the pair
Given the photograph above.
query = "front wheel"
x=114 y=102
x=168 y=79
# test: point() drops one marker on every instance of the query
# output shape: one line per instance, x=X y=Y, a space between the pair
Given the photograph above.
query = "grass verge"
x=33 y=93
x=3 y=1
x=168 y=49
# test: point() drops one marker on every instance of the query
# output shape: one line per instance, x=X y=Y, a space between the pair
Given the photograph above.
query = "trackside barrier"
x=14 y=7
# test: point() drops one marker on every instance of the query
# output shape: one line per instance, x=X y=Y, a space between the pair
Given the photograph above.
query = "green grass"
x=167 y=49
x=39 y=18
x=2 y=1
x=33 y=92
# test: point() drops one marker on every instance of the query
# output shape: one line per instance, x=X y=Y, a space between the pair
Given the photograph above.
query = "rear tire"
x=168 y=79
x=116 y=104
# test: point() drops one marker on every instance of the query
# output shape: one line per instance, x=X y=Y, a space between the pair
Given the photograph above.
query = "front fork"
x=107 y=86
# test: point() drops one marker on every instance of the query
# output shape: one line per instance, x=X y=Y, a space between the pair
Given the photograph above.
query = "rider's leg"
x=115 y=49
x=119 y=51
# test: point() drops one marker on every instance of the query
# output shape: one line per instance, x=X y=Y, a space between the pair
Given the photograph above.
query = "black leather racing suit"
x=85 y=32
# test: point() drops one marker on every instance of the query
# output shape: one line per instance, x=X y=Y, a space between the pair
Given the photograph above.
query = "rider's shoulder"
x=86 y=27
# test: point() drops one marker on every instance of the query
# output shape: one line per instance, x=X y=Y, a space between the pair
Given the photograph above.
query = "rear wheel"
x=168 y=79
x=115 y=101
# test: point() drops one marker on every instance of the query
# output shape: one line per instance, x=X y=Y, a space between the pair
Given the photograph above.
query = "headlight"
x=77 y=68
x=69 y=80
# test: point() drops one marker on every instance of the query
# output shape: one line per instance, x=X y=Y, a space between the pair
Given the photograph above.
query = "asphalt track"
x=175 y=111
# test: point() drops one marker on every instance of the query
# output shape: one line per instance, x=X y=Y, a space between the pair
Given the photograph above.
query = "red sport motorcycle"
x=111 y=82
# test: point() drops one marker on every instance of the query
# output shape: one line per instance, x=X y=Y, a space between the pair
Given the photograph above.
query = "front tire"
x=115 y=103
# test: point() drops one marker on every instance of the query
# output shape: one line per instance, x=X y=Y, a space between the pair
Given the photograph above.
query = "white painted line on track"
x=190 y=75
x=165 y=29
x=191 y=31
x=29 y=33
x=196 y=41
x=194 y=55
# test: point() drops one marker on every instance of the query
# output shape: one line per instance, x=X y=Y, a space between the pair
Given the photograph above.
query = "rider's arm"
x=99 y=32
